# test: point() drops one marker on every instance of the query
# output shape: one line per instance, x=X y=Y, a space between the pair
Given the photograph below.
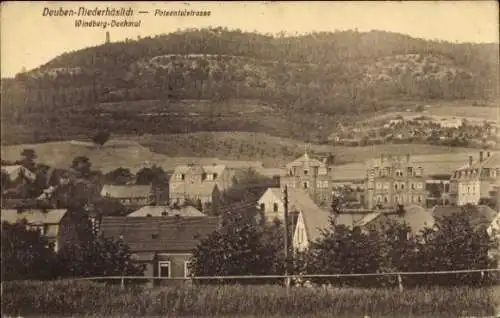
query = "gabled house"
x=164 y=244
x=204 y=192
x=477 y=179
x=311 y=219
x=17 y=173
x=194 y=174
x=155 y=211
x=55 y=224
x=129 y=195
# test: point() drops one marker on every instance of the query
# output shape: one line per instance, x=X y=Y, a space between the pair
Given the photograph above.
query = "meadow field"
x=235 y=149
x=72 y=298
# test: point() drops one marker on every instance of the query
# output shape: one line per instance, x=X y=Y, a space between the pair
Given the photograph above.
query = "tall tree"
x=26 y=254
x=98 y=256
x=82 y=166
x=234 y=249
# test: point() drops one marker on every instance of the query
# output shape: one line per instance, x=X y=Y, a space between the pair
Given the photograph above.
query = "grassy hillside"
x=308 y=82
x=235 y=149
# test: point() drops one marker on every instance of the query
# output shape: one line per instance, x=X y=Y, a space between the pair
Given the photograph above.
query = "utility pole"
x=285 y=206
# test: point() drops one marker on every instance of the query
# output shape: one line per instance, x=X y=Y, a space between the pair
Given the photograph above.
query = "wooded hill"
x=320 y=74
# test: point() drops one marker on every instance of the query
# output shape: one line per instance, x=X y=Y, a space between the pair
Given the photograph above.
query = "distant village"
x=456 y=132
x=147 y=209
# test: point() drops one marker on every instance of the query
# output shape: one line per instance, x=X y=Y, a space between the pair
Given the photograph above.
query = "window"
x=306 y=172
x=395 y=186
x=419 y=171
x=402 y=186
x=164 y=269
x=210 y=177
x=215 y=176
x=386 y=185
x=306 y=184
x=410 y=171
x=419 y=186
x=262 y=207
x=379 y=199
x=399 y=173
x=419 y=198
x=275 y=207
x=386 y=200
x=187 y=269
x=413 y=186
x=378 y=185
x=183 y=176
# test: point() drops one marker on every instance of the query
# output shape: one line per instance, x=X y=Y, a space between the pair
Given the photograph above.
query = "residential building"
x=311 y=219
x=477 y=179
x=198 y=175
x=55 y=224
x=494 y=232
x=451 y=123
x=18 y=173
x=156 y=210
x=129 y=195
x=271 y=204
x=313 y=176
x=394 y=180
x=164 y=244
x=206 y=193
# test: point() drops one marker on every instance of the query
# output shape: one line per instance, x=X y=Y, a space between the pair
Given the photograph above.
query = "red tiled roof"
x=159 y=234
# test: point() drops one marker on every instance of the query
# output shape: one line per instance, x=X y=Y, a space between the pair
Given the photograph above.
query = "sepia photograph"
x=250 y=159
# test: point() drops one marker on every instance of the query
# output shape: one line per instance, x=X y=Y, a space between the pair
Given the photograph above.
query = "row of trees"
x=454 y=244
x=243 y=246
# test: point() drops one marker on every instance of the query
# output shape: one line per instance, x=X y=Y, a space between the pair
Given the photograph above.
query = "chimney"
x=481 y=158
x=470 y=161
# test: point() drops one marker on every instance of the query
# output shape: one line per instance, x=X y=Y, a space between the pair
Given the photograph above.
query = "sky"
x=30 y=39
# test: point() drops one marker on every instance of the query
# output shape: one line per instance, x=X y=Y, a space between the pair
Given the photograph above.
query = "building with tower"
x=312 y=175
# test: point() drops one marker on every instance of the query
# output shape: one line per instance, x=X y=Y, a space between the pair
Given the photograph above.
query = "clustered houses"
x=389 y=182
x=477 y=179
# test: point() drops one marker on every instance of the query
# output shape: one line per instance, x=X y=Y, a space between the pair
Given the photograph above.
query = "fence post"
x=122 y=283
x=400 y=283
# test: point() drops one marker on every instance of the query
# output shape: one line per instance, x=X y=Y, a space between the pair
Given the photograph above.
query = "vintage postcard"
x=250 y=159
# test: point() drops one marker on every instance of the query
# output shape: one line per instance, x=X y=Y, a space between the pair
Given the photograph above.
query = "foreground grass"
x=93 y=299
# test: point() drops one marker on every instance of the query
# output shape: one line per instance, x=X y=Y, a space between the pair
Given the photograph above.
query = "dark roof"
x=159 y=234
x=126 y=191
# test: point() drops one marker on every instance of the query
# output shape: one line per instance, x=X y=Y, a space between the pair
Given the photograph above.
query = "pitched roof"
x=126 y=191
x=416 y=217
x=493 y=161
x=15 y=170
x=315 y=219
x=159 y=234
x=195 y=168
x=36 y=216
x=305 y=160
x=155 y=210
x=203 y=189
x=348 y=219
